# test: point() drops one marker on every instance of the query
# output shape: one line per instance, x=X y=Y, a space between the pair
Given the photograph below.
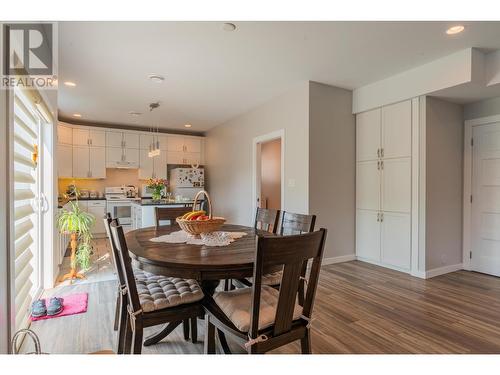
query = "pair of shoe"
x=39 y=308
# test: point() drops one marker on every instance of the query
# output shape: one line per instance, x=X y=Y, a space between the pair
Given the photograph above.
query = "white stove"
x=119 y=203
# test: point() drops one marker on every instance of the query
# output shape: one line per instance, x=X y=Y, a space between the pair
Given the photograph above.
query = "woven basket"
x=196 y=227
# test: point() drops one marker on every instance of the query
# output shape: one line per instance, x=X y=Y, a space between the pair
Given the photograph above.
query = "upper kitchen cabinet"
x=89 y=162
x=64 y=161
x=183 y=144
x=122 y=139
x=89 y=137
x=368 y=135
x=155 y=167
x=120 y=157
x=147 y=139
x=64 y=134
x=396 y=130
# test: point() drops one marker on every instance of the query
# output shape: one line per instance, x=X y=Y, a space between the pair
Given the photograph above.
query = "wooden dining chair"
x=169 y=213
x=153 y=300
x=262 y=318
x=267 y=219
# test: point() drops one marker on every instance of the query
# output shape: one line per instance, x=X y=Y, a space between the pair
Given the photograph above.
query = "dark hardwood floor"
x=360 y=308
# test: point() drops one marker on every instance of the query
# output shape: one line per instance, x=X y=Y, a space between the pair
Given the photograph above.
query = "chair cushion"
x=272 y=279
x=160 y=292
x=236 y=304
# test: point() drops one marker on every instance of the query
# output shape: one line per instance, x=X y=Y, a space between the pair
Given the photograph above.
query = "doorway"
x=269 y=171
x=485 y=251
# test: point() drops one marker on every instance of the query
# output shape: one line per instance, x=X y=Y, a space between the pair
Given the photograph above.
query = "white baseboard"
x=442 y=270
x=339 y=259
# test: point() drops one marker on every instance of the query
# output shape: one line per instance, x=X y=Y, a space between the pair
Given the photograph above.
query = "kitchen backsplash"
x=114 y=177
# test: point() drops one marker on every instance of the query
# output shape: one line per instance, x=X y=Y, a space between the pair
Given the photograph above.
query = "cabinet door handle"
x=90 y=141
x=378 y=216
x=378 y=152
x=378 y=165
x=382 y=165
x=382 y=217
x=382 y=152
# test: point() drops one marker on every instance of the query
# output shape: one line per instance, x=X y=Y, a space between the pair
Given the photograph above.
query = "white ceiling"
x=213 y=75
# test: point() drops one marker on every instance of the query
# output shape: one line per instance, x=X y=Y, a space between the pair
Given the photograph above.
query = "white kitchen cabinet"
x=155 y=167
x=114 y=139
x=119 y=157
x=90 y=137
x=98 y=209
x=368 y=135
x=183 y=144
x=131 y=140
x=64 y=161
x=192 y=144
x=396 y=184
x=146 y=165
x=396 y=239
x=384 y=185
x=396 y=130
x=368 y=235
x=81 y=161
x=114 y=157
x=175 y=157
x=97 y=162
x=131 y=157
x=147 y=139
x=368 y=185
x=64 y=134
x=175 y=143
x=89 y=162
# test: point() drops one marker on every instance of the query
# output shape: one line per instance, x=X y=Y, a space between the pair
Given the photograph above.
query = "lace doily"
x=208 y=239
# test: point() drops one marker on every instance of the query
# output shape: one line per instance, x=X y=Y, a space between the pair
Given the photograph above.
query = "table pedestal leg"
x=157 y=337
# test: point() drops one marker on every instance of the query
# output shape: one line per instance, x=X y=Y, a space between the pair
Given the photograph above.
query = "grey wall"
x=332 y=166
x=485 y=108
x=229 y=155
x=444 y=180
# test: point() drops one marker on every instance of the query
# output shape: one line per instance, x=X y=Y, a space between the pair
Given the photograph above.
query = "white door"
x=368 y=135
x=64 y=134
x=98 y=209
x=146 y=165
x=81 y=161
x=131 y=140
x=114 y=139
x=396 y=184
x=114 y=157
x=368 y=235
x=395 y=239
x=396 y=130
x=368 y=185
x=80 y=137
x=97 y=162
x=485 y=255
x=97 y=138
x=64 y=160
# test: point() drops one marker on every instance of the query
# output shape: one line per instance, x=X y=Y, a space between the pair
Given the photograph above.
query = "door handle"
x=382 y=165
x=382 y=152
x=378 y=152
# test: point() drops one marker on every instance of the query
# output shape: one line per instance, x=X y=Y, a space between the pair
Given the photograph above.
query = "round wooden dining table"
x=207 y=264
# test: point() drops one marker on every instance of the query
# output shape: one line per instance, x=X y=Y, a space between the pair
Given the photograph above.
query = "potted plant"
x=78 y=225
x=157 y=185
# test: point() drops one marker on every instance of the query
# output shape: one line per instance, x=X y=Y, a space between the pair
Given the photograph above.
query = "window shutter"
x=26 y=125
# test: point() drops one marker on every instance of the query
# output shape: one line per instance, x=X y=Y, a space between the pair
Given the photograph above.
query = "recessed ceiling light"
x=135 y=113
x=228 y=26
x=77 y=115
x=156 y=78
x=188 y=125
x=455 y=29
x=69 y=83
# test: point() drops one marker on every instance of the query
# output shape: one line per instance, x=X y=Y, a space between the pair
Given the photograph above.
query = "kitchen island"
x=143 y=211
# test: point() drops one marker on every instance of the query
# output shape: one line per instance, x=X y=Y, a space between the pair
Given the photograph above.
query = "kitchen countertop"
x=161 y=202
x=61 y=203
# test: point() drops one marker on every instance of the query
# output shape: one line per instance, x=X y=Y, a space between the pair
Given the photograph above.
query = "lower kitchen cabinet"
x=98 y=209
x=368 y=235
x=144 y=216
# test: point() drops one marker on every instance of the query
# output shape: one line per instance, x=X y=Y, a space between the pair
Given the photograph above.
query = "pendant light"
x=154 y=147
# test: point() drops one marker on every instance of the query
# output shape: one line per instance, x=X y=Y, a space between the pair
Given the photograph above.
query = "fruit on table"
x=202 y=218
x=193 y=215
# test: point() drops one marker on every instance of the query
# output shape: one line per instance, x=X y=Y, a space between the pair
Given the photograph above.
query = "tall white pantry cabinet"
x=384 y=186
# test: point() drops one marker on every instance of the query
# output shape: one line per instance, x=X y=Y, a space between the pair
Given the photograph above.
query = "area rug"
x=73 y=304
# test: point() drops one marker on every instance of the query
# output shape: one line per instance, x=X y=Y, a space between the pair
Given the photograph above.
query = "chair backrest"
x=114 y=251
x=267 y=219
x=292 y=223
x=169 y=213
x=126 y=264
x=291 y=252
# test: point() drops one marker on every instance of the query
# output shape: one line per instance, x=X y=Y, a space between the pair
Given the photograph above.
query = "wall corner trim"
x=338 y=259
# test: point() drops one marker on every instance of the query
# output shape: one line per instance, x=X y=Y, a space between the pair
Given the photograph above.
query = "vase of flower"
x=157 y=185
